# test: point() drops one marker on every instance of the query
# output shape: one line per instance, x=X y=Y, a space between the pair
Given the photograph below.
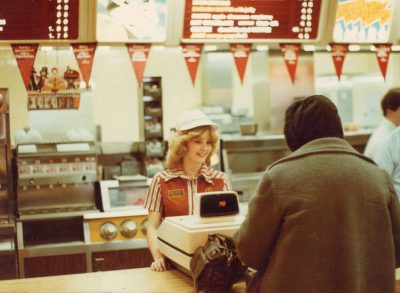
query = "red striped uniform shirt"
x=171 y=191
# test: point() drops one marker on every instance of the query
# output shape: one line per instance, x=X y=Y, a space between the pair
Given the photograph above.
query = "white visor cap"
x=192 y=119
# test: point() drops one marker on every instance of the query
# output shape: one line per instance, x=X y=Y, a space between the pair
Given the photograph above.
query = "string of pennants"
x=290 y=53
x=25 y=55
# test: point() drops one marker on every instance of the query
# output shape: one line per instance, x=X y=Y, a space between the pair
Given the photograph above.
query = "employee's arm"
x=154 y=222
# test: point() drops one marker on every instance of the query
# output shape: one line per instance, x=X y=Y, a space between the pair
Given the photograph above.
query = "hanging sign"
x=382 y=52
x=25 y=55
x=39 y=20
x=192 y=54
x=241 y=53
x=138 y=55
x=339 y=52
x=84 y=54
x=363 y=21
x=290 y=53
x=251 y=19
x=123 y=21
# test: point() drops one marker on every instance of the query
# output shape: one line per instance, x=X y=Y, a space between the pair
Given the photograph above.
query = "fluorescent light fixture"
x=46 y=48
x=262 y=48
x=395 y=48
x=354 y=48
x=210 y=48
x=309 y=48
x=158 y=48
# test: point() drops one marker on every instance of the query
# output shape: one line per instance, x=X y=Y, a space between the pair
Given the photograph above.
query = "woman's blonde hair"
x=177 y=145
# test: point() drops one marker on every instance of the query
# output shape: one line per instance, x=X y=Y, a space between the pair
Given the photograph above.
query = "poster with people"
x=54 y=87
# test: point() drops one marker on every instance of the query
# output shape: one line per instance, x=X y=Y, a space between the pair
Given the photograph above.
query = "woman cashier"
x=187 y=171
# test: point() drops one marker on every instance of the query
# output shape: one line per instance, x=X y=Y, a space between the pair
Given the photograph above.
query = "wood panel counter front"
x=132 y=280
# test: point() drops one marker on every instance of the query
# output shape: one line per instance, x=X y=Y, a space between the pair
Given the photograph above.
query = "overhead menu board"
x=363 y=21
x=251 y=19
x=131 y=20
x=39 y=19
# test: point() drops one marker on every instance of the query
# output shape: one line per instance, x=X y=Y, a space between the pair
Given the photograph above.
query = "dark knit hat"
x=309 y=119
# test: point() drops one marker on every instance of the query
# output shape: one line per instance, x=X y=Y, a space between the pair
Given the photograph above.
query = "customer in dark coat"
x=325 y=219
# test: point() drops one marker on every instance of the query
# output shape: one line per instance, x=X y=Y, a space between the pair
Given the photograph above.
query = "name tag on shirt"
x=176 y=193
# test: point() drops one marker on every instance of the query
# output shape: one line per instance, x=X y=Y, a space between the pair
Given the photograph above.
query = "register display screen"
x=251 y=19
x=218 y=205
x=39 y=19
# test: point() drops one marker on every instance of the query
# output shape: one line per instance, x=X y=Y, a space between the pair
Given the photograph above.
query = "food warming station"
x=245 y=158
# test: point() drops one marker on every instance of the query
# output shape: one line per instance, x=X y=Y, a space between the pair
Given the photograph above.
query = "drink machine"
x=55 y=188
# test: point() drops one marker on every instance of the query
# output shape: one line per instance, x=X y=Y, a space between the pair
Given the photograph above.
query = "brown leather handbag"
x=215 y=266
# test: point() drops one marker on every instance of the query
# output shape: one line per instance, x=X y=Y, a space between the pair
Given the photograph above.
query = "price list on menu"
x=251 y=19
x=39 y=19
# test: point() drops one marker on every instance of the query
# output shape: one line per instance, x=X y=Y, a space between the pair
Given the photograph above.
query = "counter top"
x=132 y=280
x=270 y=137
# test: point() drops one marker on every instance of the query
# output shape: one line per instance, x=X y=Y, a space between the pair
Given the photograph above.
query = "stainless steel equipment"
x=55 y=188
x=8 y=255
x=248 y=128
x=245 y=158
x=56 y=177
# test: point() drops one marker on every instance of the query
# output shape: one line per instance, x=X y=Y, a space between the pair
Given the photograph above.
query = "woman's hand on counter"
x=159 y=265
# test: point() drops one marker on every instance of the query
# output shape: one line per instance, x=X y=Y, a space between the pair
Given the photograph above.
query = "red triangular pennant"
x=241 y=53
x=138 y=55
x=290 y=53
x=192 y=54
x=84 y=54
x=25 y=55
x=339 y=52
x=382 y=52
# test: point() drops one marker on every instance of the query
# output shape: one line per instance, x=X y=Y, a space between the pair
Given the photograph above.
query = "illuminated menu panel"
x=363 y=21
x=131 y=20
x=39 y=19
x=251 y=19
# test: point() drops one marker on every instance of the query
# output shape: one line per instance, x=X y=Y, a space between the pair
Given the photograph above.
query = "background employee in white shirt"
x=388 y=157
x=391 y=111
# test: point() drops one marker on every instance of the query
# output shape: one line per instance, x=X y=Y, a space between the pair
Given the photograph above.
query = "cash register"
x=214 y=212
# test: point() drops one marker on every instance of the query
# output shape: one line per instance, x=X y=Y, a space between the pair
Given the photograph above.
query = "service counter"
x=133 y=280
